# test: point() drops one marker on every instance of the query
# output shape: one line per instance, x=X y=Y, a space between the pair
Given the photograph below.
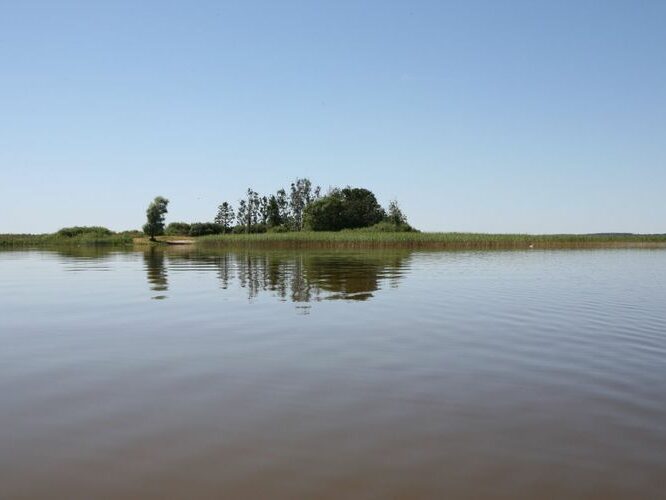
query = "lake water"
x=331 y=375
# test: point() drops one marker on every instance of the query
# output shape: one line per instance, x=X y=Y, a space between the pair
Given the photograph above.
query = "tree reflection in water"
x=301 y=277
x=304 y=276
x=156 y=272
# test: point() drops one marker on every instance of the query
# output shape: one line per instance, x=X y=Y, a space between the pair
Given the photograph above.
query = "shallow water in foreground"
x=333 y=375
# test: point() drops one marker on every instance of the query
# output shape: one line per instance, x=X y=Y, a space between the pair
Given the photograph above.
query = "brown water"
x=319 y=375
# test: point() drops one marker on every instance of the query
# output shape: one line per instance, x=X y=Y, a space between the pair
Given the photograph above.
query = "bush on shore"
x=386 y=226
x=71 y=232
x=82 y=239
x=205 y=228
x=347 y=208
x=177 y=229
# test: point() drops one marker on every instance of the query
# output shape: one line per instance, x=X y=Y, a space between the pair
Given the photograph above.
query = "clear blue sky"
x=525 y=116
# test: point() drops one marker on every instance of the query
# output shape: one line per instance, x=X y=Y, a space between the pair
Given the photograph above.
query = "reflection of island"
x=156 y=272
x=354 y=278
x=301 y=277
x=304 y=276
x=86 y=253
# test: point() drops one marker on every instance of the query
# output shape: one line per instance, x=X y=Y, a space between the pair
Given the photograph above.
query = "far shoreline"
x=350 y=239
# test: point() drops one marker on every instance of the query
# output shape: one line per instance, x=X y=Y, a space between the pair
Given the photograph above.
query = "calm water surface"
x=331 y=375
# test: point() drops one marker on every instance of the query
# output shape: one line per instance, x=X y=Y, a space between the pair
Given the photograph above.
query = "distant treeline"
x=302 y=207
x=71 y=236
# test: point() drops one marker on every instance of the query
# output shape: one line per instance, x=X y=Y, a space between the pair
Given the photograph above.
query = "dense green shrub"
x=361 y=208
x=205 y=228
x=325 y=214
x=346 y=208
x=71 y=232
x=278 y=229
x=178 y=229
x=387 y=226
x=256 y=228
x=81 y=239
x=132 y=233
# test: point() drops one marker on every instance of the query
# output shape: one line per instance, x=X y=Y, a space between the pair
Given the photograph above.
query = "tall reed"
x=86 y=239
x=454 y=241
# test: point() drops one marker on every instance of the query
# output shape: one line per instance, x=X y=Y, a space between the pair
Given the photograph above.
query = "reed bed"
x=446 y=241
x=39 y=240
x=359 y=240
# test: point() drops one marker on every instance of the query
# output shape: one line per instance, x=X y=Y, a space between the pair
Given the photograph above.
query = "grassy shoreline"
x=42 y=240
x=443 y=241
x=351 y=240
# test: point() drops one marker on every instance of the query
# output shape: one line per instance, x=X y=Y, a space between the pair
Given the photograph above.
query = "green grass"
x=86 y=239
x=453 y=241
x=359 y=239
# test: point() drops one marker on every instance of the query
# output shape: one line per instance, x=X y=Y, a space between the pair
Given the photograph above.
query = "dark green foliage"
x=300 y=198
x=205 y=228
x=395 y=215
x=177 y=229
x=387 y=226
x=276 y=209
x=282 y=205
x=273 y=213
x=252 y=214
x=225 y=216
x=302 y=207
x=360 y=208
x=83 y=239
x=242 y=215
x=71 y=232
x=132 y=233
x=263 y=210
x=155 y=217
x=346 y=208
x=278 y=229
x=326 y=214
x=255 y=228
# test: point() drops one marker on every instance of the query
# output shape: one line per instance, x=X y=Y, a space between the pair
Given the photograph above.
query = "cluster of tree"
x=194 y=229
x=72 y=232
x=280 y=211
x=302 y=207
x=347 y=208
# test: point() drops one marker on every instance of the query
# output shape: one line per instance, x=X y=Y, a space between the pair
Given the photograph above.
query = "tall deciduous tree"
x=300 y=197
x=225 y=216
x=241 y=214
x=273 y=215
x=395 y=215
x=252 y=215
x=263 y=210
x=155 y=213
x=282 y=205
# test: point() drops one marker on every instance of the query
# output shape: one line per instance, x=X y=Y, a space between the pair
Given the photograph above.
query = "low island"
x=301 y=217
